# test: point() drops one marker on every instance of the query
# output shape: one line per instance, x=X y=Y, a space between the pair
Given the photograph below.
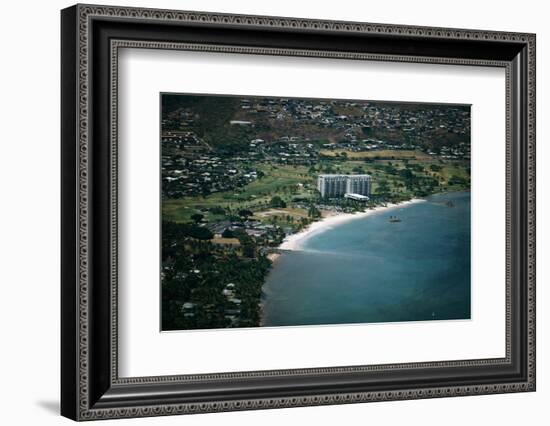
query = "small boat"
x=450 y=204
x=394 y=219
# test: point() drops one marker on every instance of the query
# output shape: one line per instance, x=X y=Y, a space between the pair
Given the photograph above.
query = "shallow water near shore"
x=371 y=270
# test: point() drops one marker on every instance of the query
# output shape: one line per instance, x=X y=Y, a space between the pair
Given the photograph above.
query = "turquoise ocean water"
x=370 y=270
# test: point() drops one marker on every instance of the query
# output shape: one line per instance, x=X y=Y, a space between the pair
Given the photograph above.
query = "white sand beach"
x=273 y=256
x=296 y=241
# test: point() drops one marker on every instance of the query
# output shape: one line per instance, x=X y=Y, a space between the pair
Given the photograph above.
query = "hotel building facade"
x=335 y=186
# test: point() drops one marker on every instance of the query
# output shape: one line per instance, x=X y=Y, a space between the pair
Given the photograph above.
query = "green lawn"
x=284 y=181
x=278 y=180
x=381 y=154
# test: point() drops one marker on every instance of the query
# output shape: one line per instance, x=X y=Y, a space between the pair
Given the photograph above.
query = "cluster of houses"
x=192 y=167
x=231 y=312
x=405 y=127
x=461 y=151
x=266 y=233
x=289 y=150
x=251 y=227
x=353 y=118
x=416 y=120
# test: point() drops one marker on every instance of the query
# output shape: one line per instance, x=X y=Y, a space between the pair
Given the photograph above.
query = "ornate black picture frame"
x=91 y=387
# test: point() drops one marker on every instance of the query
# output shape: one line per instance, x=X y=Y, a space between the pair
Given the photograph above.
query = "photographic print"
x=281 y=211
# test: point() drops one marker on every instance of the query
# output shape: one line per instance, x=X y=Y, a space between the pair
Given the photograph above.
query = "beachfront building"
x=356 y=197
x=358 y=184
x=336 y=186
x=332 y=186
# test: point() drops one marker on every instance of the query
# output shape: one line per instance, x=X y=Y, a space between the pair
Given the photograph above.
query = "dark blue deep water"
x=370 y=270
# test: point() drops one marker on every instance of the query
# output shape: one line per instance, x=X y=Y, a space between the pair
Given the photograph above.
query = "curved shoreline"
x=297 y=240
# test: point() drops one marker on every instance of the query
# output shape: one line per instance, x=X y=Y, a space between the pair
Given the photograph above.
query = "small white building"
x=356 y=197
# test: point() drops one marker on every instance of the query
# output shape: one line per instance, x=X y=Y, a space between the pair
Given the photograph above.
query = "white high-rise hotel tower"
x=334 y=186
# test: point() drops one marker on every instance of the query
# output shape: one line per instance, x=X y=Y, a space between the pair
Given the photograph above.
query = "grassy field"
x=289 y=211
x=354 y=162
x=226 y=241
x=289 y=182
x=384 y=154
x=283 y=181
